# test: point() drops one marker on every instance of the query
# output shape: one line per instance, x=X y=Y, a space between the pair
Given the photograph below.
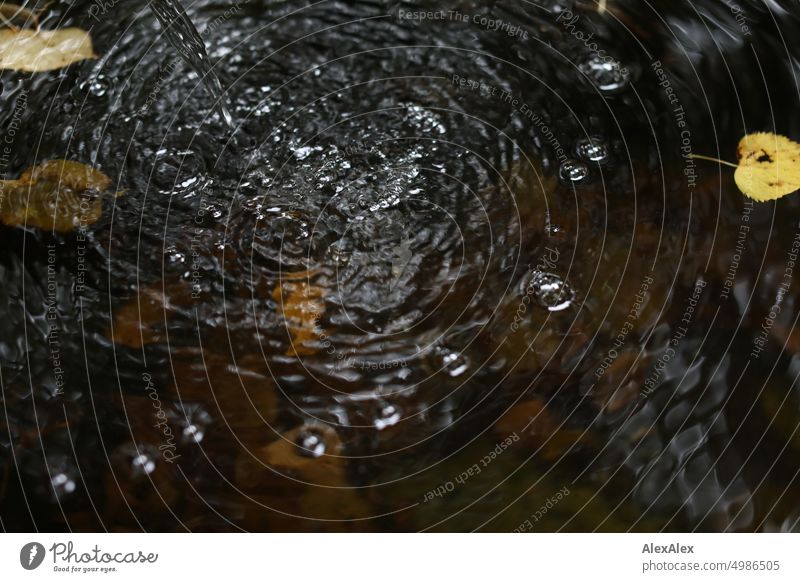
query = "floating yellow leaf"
x=769 y=166
x=43 y=50
x=58 y=195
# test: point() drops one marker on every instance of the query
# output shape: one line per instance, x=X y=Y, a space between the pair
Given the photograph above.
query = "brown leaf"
x=58 y=195
x=301 y=304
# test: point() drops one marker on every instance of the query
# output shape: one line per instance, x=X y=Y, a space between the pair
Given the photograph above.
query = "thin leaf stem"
x=709 y=159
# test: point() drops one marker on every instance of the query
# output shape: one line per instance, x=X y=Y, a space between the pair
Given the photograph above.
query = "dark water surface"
x=446 y=272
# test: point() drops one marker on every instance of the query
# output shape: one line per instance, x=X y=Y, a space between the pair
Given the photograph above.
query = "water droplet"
x=573 y=171
x=592 y=150
x=388 y=415
x=311 y=443
x=550 y=291
x=607 y=74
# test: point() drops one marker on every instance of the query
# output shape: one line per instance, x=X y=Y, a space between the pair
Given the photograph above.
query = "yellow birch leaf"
x=43 y=50
x=769 y=166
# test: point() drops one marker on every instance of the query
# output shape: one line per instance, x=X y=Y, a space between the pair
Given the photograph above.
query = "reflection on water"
x=437 y=275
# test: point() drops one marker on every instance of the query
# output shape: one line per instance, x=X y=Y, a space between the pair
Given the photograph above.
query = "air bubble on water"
x=451 y=362
x=311 y=443
x=388 y=415
x=607 y=74
x=143 y=464
x=573 y=171
x=592 y=150
x=550 y=291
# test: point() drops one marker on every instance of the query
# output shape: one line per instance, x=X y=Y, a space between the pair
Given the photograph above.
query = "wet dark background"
x=381 y=278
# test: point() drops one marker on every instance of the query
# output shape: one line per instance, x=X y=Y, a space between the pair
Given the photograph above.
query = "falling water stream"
x=184 y=38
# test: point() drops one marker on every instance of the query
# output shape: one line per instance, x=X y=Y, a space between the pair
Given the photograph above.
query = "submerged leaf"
x=43 y=50
x=58 y=195
x=143 y=320
x=769 y=166
x=301 y=305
